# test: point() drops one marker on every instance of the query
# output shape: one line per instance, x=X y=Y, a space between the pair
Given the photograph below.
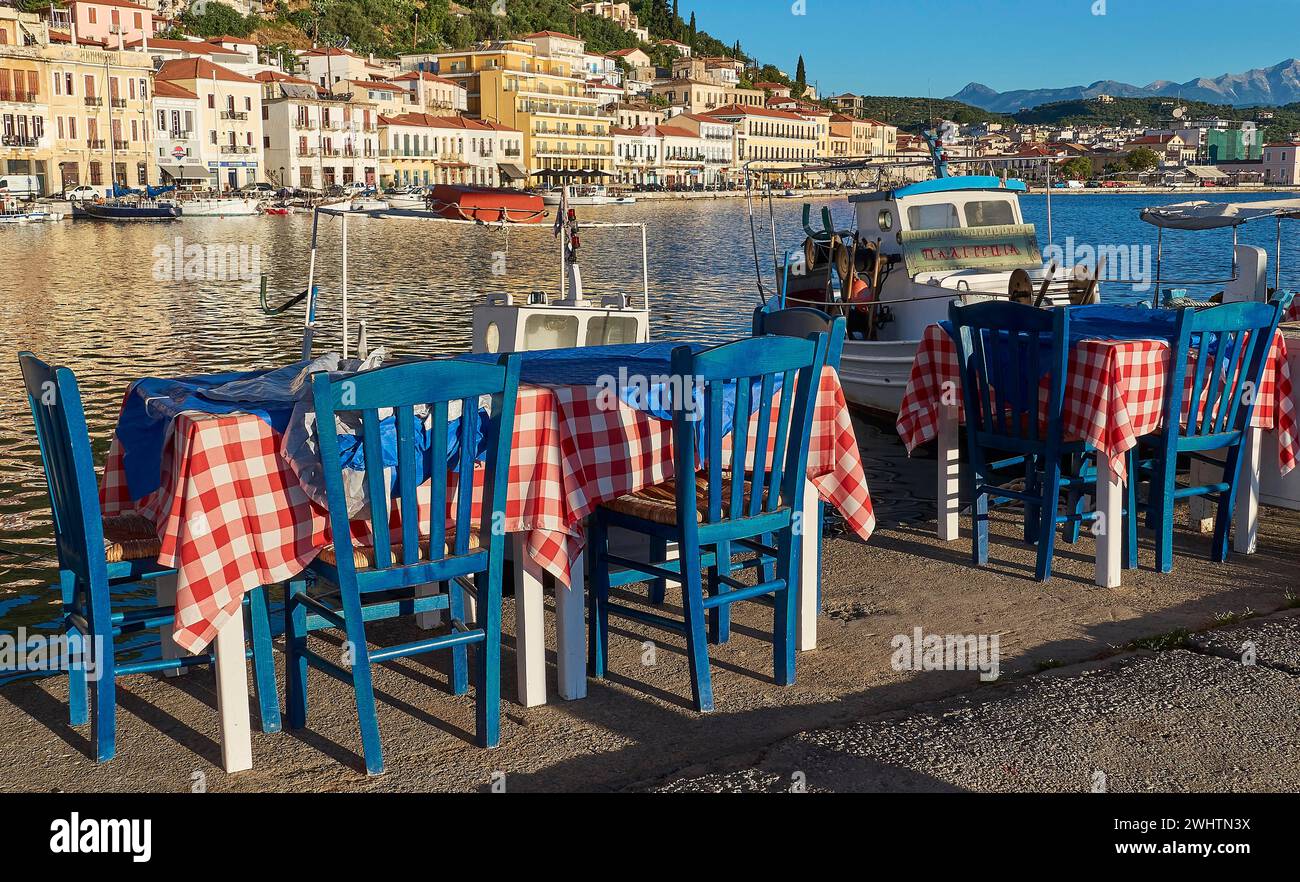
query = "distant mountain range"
x=1268 y=86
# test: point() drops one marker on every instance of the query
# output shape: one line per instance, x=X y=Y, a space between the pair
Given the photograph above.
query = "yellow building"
x=773 y=138
x=565 y=133
x=73 y=112
x=24 y=110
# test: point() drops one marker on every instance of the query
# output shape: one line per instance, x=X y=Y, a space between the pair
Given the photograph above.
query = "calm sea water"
x=88 y=296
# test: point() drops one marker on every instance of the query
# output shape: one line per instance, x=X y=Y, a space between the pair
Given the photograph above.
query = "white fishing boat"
x=915 y=248
x=215 y=206
x=14 y=212
x=584 y=194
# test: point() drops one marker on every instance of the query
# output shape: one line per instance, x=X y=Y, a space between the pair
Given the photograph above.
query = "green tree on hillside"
x=801 y=73
x=217 y=20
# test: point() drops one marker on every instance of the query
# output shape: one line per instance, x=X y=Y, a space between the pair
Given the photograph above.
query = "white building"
x=602 y=67
x=718 y=143
x=553 y=44
x=636 y=155
x=327 y=67
x=421 y=149
x=177 y=145
x=435 y=94
x=314 y=142
x=229 y=121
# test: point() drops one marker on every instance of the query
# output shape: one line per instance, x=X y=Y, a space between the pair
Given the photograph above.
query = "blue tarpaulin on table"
x=153 y=403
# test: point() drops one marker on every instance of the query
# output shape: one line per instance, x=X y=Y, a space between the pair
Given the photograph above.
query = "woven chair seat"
x=130 y=537
x=658 y=504
x=363 y=556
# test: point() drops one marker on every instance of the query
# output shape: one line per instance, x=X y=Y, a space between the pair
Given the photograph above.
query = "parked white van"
x=24 y=186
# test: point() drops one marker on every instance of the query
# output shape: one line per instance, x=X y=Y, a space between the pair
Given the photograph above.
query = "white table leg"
x=809 y=539
x=232 y=695
x=1110 y=531
x=530 y=630
x=1246 y=515
x=165 y=592
x=571 y=633
x=948 y=491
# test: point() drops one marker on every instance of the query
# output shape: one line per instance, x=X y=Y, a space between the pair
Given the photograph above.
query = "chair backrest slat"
x=465 y=473
x=765 y=392
x=407 y=482
x=376 y=487
x=64 y=442
x=400 y=389
x=438 y=489
x=740 y=451
x=713 y=401
x=783 y=418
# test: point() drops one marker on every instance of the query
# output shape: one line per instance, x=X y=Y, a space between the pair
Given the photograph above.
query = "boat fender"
x=861 y=295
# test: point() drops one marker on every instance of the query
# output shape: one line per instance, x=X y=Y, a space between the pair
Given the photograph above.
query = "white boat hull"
x=874 y=374
x=218 y=207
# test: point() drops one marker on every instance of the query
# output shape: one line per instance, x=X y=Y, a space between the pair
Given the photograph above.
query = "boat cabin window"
x=612 y=330
x=990 y=213
x=942 y=216
x=550 y=332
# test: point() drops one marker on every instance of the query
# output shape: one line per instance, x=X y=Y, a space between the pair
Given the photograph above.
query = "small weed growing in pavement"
x=1175 y=639
x=1048 y=663
x=1290 y=600
x=1232 y=618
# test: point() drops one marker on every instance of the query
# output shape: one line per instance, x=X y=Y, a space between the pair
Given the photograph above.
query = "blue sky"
x=935 y=47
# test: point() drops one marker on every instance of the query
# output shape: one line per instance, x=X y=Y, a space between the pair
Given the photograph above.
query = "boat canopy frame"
x=1203 y=215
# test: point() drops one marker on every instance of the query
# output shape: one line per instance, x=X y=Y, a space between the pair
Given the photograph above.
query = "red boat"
x=486 y=204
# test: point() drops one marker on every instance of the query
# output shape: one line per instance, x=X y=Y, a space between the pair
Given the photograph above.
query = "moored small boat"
x=478 y=204
x=126 y=210
x=215 y=206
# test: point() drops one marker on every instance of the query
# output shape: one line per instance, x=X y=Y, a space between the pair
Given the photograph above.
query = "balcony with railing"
x=20 y=96
x=568 y=151
x=117 y=102
x=179 y=135
x=19 y=141
x=306 y=151
x=94 y=101
x=234 y=114
x=302 y=124
x=236 y=148
x=120 y=145
x=95 y=143
x=512 y=151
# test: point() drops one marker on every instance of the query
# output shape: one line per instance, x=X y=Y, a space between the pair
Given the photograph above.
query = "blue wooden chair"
x=98 y=556
x=378 y=582
x=1231 y=343
x=1004 y=350
x=719 y=509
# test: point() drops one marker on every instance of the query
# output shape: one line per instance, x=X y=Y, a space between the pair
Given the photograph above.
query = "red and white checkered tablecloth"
x=1293 y=311
x=232 y=516
x=1115 y=394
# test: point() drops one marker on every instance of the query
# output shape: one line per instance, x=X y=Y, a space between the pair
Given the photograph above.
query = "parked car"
x=80 y=193
x=261 y=191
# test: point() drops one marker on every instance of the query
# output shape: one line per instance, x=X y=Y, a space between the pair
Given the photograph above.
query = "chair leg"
x=720 y=616
x=980 y=524
x=766 y=568
x=268 y=696
x=1131 y=514
x=103 y=717
x=696 y=637
x=362 y=684
x=1047 y=538
x=295 y=663
x=785 y=614
x=77 y=711
x=487 y=706
x=658 y=553
x=1162 y=506
x=459 y=654
x=1227 y=502
x=1033 y=512
x=598 y=597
